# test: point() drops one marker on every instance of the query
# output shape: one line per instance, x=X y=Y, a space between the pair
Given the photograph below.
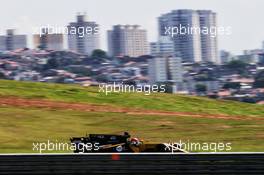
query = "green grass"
x=20 y=127
x=160 y=101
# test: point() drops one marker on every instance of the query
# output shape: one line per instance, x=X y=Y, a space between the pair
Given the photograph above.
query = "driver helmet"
x=135 y=141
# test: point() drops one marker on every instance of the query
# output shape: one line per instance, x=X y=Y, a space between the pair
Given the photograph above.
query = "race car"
x=119 y=143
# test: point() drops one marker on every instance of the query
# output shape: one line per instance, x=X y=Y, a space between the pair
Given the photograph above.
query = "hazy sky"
x=244 y=16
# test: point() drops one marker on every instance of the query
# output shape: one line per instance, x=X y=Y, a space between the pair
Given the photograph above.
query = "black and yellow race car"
x=119 y=143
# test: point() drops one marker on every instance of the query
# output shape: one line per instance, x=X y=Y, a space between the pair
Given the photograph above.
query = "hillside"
x=168 y=102
x=36 y=112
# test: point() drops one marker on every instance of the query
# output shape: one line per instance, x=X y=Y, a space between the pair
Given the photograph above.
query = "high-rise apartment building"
x=83 y=35
x=189 y=42
x=186 y=46
x=48 y=41
x=12 y=41
x=163 y=47
x=208 y=42
x=163 y=69
x=127 y=40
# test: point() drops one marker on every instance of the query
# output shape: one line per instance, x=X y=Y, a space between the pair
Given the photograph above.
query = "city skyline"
x=36 y=14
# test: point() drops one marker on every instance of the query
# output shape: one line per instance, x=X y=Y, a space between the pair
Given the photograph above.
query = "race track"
x=132 y=164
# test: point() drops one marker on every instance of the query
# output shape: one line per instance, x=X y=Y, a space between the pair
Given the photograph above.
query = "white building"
x=11 y=41
x=175 y=70
x=83 y=35
x=163 y=69
x=157 y=70
x=189 y=43
x=187 y=46
x=164 y=47
x=127 y=40
x=2 y=43
x=208 y=41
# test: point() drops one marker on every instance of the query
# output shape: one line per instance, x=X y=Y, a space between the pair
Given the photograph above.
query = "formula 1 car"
x=119 y=143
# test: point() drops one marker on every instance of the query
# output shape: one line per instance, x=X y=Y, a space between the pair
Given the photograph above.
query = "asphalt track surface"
x=205 y=163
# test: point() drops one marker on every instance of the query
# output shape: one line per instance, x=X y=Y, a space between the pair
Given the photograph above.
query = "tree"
x=98 y=53
x=237 y=65
x=101 y=78
x=200 y=88
x=2 y=75
x=259 y=80
x=203 y=77
x=42 y=47
x=52 y=64
x=231 y=85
